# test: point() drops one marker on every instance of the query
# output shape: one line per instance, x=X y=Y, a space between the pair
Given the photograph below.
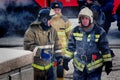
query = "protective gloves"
x=112 y=53
x=65 y=63
x=108 y=67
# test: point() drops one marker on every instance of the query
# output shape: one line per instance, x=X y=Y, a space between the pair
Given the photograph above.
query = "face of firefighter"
x=45 y=23
x=85 y=21
x=57 y=11
x=49 y=22
x=44 y=20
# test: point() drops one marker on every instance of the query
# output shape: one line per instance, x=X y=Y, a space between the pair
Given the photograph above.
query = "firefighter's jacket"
x=89 y=49
x=63 y=26
x=36 y=39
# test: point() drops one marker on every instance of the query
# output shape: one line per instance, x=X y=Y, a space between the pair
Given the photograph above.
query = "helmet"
x=85 y=12
x=43 y=16
x=44 y=13
x=56 y=5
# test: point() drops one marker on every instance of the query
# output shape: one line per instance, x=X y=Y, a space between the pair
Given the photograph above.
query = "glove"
x=108 y=67
x=112 y=53
x=65 y=63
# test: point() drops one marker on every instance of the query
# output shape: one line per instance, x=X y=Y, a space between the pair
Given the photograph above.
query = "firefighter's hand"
x=108 y=67
x=112 y=53
x=65 y=63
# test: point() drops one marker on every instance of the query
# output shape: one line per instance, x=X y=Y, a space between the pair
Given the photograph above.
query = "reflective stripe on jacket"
x=46 y=67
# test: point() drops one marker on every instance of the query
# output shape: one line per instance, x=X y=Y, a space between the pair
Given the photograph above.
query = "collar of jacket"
x=35 y=23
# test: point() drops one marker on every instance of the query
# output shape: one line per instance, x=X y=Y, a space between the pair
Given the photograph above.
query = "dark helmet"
x=56 y=5
x=43 y=17
x=85 y=12
x=44 y=13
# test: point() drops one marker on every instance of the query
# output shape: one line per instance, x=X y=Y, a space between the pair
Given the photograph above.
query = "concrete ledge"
x=11 y=59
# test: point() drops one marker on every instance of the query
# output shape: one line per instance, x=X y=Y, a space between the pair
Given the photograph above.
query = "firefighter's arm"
x=68 y=29
x=107 y=58
x=69 y=51
x=29 y=43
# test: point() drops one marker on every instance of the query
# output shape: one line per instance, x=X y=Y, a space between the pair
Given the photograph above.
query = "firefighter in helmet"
x=88 y=47
x=63 y=26
x=42 y=39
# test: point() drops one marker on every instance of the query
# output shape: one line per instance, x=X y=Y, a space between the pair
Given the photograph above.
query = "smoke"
x=16 y=15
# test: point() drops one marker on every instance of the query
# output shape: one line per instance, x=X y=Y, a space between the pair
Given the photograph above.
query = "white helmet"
x=85 y=12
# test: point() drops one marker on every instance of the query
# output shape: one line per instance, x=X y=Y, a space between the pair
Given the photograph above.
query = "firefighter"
x=98 y=14
x=107 y=7
x=88 y=47
x=116 y=12
x=42 y=39
x=63 y=26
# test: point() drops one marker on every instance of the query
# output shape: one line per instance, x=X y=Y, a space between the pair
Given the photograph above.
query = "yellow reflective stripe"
x=68 y=54
x=96 y=40
x=78 y=65
x=69 y=29
x=78 y=38
x=107 y=56
x=108 y=59
x=95 y=64
x=61 y=33
x=97 y=36
x=42 y=67
x=78 y=34
x=88 y=39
